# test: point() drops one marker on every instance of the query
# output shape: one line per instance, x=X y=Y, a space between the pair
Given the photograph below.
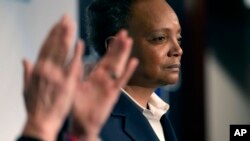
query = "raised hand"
x=97 y=95
x=50 y=86
x=53 y=88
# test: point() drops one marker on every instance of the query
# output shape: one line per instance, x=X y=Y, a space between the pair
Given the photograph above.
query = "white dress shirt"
x=157 y=108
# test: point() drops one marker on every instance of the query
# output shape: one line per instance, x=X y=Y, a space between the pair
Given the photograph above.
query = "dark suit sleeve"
x=27 y=138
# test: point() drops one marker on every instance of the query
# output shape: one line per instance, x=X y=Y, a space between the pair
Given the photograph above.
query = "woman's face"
x=156 y=31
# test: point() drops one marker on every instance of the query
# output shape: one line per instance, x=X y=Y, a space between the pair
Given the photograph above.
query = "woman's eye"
x=159 y=39
x=179 y=41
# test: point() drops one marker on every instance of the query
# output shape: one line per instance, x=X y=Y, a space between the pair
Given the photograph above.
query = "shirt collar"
x=157 y=107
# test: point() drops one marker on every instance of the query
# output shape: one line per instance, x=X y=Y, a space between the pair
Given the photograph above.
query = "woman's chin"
x=170 y=80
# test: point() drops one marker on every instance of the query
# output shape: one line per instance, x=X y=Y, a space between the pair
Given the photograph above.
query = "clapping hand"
x=53 y=88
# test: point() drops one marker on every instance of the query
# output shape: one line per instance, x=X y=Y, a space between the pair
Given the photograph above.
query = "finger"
x=28 y=68
x=64 y=40
x=133 y=63
x=76 y=66
x=48 y=47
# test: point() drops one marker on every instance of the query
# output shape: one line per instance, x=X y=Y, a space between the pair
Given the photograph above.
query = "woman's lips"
x=173 y=67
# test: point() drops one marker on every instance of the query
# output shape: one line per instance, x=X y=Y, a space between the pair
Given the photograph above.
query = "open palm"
x=99 y=92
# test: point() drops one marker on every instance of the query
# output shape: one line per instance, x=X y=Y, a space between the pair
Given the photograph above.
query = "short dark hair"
x=105 y=18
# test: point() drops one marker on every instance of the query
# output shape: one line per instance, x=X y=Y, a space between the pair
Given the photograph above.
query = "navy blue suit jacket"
x=127 y=123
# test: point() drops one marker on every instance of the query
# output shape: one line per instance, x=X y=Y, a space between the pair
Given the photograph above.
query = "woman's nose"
x=175 y=50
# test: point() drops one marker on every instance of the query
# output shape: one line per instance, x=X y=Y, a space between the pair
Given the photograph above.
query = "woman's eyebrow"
x=166 y=30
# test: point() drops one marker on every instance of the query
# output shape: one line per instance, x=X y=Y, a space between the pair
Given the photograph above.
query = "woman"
x=139 y=114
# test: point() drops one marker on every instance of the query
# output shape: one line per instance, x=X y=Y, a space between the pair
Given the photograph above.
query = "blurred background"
x=214 y=90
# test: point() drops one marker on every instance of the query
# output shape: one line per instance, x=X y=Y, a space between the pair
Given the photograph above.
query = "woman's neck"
x=140 y=94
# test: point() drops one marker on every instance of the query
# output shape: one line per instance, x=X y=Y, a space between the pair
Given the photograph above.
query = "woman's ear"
x=108 y=41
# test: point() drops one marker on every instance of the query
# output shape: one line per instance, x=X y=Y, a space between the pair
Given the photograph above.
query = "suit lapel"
x=135 y=124
x=168 y=129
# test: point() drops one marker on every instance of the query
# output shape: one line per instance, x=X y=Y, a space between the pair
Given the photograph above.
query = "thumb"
x=28 y=68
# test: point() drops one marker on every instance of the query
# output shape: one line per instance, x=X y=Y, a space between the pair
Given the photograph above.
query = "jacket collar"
x=136 y=125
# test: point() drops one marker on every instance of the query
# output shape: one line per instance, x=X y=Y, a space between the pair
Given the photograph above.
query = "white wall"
x=225 y=102
x=23 y=26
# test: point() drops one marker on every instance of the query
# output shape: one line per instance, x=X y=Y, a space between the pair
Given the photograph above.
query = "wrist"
x=83 y=133
x=72 y=137
x=39 y=130
x=90 y=138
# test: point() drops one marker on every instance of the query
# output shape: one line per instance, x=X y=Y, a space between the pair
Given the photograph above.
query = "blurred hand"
x=97 y=95
x=50 y=85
